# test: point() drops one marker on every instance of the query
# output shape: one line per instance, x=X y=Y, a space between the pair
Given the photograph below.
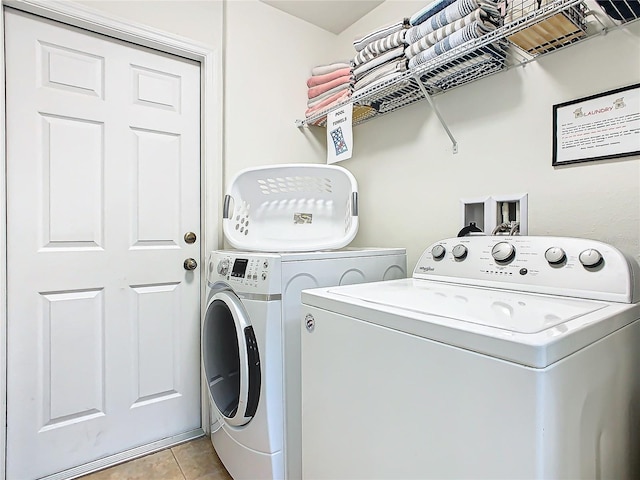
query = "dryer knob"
x=590 y=258
x=223 y=267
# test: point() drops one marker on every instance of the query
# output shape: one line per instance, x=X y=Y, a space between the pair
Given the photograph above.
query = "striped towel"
x=361 y=42
x=379 y=60
x=474 y=30
x=432 y=38
x=387 y=71
x=429 y=11
x=453 y=12
x=379 y=46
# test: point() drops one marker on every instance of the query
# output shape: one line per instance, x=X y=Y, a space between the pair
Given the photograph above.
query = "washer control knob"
x=555 y=255
x=223 y=267
x=265 y=264
x=590 y=258
x=503 y=252
x=438 y=252
x=459 y=252
x=264 y=275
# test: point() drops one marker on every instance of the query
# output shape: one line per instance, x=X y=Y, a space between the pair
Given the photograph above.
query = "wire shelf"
x=529 y=29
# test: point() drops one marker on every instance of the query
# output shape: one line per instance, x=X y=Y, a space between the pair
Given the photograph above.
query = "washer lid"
x=514 y=312
x=530 y=329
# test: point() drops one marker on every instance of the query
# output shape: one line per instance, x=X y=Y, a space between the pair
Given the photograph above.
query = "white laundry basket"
x=291 y=208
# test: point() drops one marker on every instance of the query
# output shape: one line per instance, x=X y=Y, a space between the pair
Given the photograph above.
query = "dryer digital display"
x=239 y=267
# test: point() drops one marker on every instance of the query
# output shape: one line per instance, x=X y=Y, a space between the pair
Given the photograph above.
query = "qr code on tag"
x=338 y=141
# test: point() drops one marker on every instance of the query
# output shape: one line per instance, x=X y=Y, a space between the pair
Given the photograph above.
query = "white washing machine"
x=251 y=348
x=502 y=358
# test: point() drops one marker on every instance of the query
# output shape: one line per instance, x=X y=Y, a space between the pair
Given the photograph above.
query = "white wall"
x=199 y=21
x=411 y=183
x=269 y=55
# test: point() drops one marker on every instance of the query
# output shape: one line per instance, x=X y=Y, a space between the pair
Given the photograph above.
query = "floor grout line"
x=184 y=475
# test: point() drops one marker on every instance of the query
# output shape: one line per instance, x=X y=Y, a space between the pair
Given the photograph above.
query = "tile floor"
x=194 y=460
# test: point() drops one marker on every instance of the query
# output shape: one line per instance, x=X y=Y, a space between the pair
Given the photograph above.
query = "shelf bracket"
x=437 y=112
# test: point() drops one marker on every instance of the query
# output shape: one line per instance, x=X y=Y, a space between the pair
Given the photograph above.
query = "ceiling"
x=331 y=15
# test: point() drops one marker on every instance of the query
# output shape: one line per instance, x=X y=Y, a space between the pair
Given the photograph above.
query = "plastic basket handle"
x=354 y=204
x=227 y=203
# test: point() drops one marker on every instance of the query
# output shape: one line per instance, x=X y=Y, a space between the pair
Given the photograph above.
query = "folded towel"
x=316 y=100
x=453 y=12
x=467 y=33
x=388 y=77
x=379 y=60
x=386 y=71
x=327 y=77
x=432 y=38
x=328 y=103
x=429 y=11
x=315 y=91
x=361 y=42
x=379 y=46
x=331 y=67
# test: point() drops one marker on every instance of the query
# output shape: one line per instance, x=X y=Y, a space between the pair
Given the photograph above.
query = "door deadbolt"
x=190 y=264
x=190 y=237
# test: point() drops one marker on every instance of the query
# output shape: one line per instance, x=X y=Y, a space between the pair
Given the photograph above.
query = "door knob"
x=190 y=264
x=189 y=237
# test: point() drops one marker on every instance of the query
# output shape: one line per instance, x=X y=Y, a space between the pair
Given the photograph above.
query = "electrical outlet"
x=510 y=214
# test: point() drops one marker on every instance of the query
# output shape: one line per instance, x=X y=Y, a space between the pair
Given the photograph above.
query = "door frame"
x=211 y=154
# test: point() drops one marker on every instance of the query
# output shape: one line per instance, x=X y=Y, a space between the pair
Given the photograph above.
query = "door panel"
x=72 y=357
x=103 y=180
x=157 y=309
x=69 y=174
x=157 y=184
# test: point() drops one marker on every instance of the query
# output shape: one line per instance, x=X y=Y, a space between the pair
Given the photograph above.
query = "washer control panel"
x=244 y=271
x=555 y=265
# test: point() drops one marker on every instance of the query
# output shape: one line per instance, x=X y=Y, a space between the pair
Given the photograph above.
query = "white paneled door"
x=103 y=183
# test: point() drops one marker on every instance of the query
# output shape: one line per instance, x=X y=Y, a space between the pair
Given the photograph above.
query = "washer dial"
x=223 y=267
x=438 y=252
x=590 y=258
x=555 y=255
x=503 y=252
x=459 y=252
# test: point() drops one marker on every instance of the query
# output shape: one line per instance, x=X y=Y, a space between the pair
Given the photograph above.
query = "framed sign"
x=598 y=127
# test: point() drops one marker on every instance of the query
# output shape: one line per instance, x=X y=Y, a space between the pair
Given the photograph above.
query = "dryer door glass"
x=231 y=359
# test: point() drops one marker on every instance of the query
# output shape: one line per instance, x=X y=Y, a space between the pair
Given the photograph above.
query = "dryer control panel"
x=566 y=266
x=246 y=272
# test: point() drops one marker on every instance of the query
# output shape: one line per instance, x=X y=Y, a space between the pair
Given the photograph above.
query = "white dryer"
x=501 y=358
x=251 y=348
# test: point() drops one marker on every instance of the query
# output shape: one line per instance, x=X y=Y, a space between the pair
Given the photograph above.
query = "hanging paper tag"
x=339 y=134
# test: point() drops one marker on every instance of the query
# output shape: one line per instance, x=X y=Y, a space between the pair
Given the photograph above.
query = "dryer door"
x=231 y=359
